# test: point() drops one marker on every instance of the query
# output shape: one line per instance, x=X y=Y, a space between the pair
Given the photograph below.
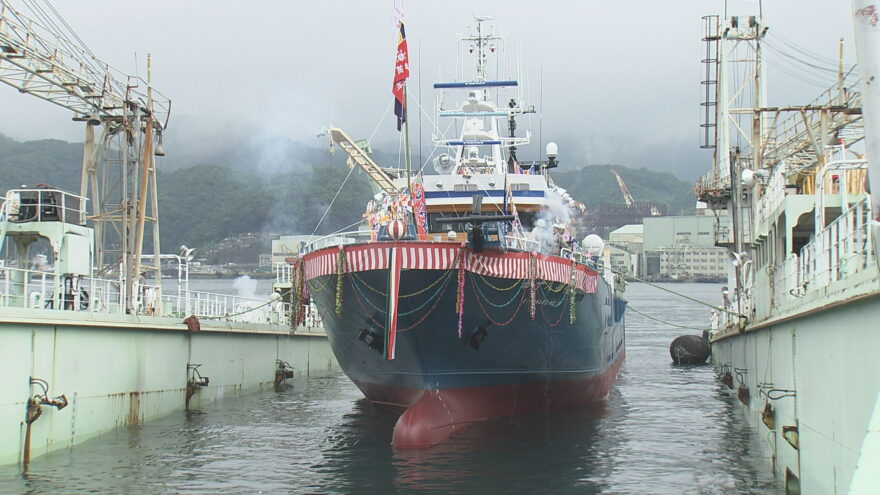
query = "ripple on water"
x=663 y=430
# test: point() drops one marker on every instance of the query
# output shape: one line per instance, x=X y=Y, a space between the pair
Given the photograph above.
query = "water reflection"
x=664 y=430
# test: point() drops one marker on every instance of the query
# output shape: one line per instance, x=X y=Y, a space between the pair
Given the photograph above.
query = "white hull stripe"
x=434 y=256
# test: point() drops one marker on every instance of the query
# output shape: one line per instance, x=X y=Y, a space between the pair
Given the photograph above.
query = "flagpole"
x=406 y=157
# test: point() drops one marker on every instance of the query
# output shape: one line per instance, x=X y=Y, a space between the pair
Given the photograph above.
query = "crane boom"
x=361 y=158
x=40 y=61
x=627 y=197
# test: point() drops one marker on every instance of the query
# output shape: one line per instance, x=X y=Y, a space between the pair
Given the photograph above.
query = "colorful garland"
x=572 y=310
x=533 y=269
x=340 y=265
x=489 y=315
x=297 y=280
x=459 y=301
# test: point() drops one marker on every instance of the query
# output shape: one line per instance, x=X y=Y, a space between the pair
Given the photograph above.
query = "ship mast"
x=406 y=155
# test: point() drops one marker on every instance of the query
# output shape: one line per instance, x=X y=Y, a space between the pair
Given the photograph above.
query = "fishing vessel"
x=795 y=340
x=443 y=307
x=90 y=339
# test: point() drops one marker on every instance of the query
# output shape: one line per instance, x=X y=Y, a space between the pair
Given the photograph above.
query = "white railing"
x=522 y=243
x=25 y=288
x=21 y=288
x=38 y=290
x=360 y=237
x=340 y=239
x=223 y=306
x=43 y=205
x=313 y=318
x=841 y=249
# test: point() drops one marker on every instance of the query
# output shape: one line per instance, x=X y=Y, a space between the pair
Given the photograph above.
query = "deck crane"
x=43 y=57
x=627 y=197
x=358 y=156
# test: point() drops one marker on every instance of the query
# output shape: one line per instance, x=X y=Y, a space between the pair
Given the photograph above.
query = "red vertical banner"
x=401 y=72
x=395 y=263
x=419 y=207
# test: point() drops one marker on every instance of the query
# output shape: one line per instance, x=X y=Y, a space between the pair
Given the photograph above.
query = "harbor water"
x=664 y=429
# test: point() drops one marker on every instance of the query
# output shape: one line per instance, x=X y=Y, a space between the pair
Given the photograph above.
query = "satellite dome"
x=593 y=245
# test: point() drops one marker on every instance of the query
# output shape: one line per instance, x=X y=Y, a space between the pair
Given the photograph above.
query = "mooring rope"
x=662 y=321
x=689 y=298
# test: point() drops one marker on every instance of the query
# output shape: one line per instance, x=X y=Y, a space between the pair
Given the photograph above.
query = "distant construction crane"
x=44 y=57
x=627 y=197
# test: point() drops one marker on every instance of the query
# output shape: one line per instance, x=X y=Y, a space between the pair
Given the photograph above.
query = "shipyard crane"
x=627 y=197
x=42 y=56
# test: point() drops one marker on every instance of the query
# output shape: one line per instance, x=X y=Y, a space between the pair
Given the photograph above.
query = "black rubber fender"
x=689 y=349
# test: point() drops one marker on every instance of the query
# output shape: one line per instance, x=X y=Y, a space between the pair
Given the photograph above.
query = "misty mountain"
x=35 y=162
x=596 y=184
x=206 y=200
x=280 y=186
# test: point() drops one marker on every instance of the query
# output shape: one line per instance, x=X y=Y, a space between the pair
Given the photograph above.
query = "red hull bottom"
x=436 y=414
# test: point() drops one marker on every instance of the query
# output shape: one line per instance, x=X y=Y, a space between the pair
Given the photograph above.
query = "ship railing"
x=787 y=280
x=42 y=205
x=358 y=237
x=36 y=289
x=522 y=244
x=21 y=288
x=312 y=320
x=226 y=307
x=726 y=316
x=793 y=133
x=840 y=249
x=594 y=262
x=339 y=239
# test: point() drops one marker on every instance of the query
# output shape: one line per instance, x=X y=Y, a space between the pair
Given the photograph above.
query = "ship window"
x=526 y=218
x=464 y=187
x=519 y=186
x=435 y=226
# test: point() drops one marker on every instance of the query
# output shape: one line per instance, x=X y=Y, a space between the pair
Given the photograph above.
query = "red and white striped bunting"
x=433 y=256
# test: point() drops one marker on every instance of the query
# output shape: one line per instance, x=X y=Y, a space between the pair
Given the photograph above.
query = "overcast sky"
x=620 y=79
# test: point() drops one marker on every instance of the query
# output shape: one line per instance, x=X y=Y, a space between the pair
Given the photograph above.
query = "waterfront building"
x=683 y=248
x=625 y=246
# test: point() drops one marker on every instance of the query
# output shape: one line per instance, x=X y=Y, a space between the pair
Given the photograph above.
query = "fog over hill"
x=276 y=185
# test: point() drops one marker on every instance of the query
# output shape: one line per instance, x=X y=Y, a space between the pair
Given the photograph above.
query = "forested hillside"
x=596 y=184
x=288 y=191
